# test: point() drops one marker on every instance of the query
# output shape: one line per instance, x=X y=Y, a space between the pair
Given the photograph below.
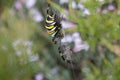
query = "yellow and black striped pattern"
x=53 y=24
x=50 y=24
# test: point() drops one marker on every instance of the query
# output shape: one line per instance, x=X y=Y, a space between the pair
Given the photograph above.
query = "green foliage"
x=22 y=39
x=5 y=4
x=13 y=66
x=98 y=29
x=107 y=72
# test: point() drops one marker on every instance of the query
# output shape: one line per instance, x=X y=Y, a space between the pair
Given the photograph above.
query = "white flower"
x=15 y=43
x=67 y=38
x=67 y=24
x=74 y=5
x=30 y=3
x=79 y=47
x=104 y=11
x=80 y=6
x=39 y=76
x=64 y=14
x=76 y=36
x=54 y=70
x=78 y=43
x=101 y=0
x=34 y=58
x=27 y=43
x=37 y=16
x=86 y=12
x=20 y=42
x=63 y=1
x=18 y=5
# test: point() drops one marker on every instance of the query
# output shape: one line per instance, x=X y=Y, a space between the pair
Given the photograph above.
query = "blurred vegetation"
x=22 y=39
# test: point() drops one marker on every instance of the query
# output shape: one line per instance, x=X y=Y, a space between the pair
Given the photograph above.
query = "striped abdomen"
x=50 y=24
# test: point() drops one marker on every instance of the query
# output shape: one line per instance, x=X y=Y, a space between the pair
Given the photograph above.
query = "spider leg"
x=57 y=35
x=53 y=40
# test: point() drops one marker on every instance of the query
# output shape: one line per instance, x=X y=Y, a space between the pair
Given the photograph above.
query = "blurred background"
x=92 y=31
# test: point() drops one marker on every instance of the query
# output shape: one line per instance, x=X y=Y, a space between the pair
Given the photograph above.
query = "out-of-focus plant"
x=101 y=31
x=17 y=59
x=109 y=71
x=5 y=4
x=95 y=25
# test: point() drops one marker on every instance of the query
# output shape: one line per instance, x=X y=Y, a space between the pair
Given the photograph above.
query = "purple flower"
x=67 y=24
x=111 y=8
x=18 y=5
x=37 y=16
x=30 y=3
x=39 y=76
x=78 y=43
